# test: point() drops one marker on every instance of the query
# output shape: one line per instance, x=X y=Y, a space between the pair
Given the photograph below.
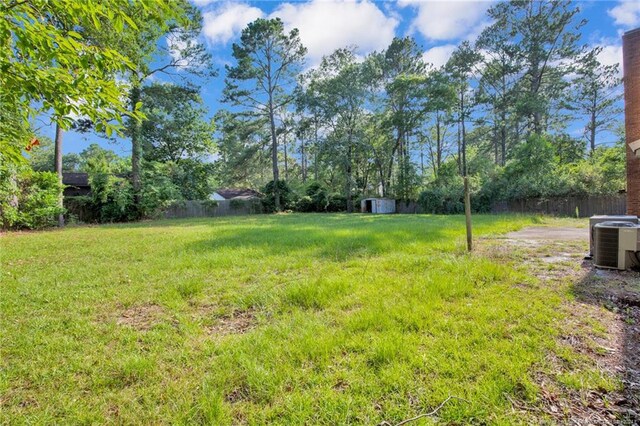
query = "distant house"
x=235 y=193
x=76 y=184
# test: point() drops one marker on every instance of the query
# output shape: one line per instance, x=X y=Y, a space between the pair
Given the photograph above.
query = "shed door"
x=368 y=206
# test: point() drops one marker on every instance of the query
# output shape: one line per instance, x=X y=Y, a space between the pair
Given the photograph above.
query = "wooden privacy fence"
x=583 y=206
x=185 y=209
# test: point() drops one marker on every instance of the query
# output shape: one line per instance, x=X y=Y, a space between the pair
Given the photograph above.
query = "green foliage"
x=531 y=172
x=538 y=41
x=28 y=199
x=158 y=190
x=211 y=204
x=81 y=209
x=286 y=196
x=568 y=150
x=315 y=199
x=235 y=204
x=175 y=127
x=194 y=178
x=41 y=158
x=94 y=152
x=595 y=95
x=446 y=194
x=336 y=203
x=57 y=66
x=113 y=196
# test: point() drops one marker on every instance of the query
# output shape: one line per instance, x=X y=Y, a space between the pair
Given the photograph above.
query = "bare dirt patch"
x=602 y=325
x=238 y=322
x=141 y=317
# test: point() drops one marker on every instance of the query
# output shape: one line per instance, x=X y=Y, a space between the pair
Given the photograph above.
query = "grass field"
x=285 y=319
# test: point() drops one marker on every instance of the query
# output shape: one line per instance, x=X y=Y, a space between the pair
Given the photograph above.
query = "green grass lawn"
x=286 y=319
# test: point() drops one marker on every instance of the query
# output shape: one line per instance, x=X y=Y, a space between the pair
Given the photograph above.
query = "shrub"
x=236 y=204
x=445 y=195
x=28 y=199
x=305 y=204
x=336 y=203
x=314 y=200
x=158 y=190
x=80 y=209
x=287 y=198
x=210 y=204
x=113 y=197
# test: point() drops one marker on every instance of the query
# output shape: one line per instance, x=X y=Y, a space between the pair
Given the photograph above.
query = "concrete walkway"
x=550 y=233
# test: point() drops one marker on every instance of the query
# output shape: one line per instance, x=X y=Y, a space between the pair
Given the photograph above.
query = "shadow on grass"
x=328 y=237
x=619 y=291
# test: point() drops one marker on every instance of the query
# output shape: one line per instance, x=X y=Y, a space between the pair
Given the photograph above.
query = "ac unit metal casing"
x=616 y=245
x=594 y=220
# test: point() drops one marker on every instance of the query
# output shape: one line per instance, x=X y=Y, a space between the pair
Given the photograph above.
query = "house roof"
x=75 y=179
x=229 y=193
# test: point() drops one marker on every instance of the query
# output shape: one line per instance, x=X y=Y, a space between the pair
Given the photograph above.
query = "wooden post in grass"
x=467 y=213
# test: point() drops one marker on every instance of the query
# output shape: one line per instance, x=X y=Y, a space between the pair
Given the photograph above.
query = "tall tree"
x=398 y=77
x=597 y=95
x=461 y=67
x=175 y=127
x=165 y=41
x=341 y=99
x=263 y=79
x=241 y=146
x=500 y=74
x=440 y=101
x=546 y=36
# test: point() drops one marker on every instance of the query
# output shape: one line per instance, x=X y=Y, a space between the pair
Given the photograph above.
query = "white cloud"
x=626 y=13
x=176 y=46
x=326 y=26
x=439 y=55
x=610 y=55
x=225 y=22
x=446 y=20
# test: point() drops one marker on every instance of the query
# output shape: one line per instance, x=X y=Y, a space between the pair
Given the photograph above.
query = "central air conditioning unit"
x=594 y=220
x=616 y=245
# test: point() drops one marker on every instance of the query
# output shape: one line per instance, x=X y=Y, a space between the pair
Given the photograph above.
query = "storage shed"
x=378 y=205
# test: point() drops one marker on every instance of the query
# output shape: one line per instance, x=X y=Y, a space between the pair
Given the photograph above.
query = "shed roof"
x=75 y=179
x=229 y=193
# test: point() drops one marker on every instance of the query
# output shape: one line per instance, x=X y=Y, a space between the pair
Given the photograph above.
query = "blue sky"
x=438 y=26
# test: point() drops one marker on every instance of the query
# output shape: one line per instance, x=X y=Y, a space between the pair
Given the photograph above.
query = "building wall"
x=379 y=205
x=631 y=65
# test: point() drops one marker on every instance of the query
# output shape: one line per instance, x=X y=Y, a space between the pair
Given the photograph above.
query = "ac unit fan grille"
x=607 y=247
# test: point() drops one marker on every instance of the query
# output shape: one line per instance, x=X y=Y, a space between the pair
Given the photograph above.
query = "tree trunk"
x=304 y=161
x=58 y=168
x=464 y=149
x=136 y=147
x=592 y=132
x=496 y=159
x=463 y=141
x=503 y=140
x=316 y=149
x=349 y=177
x=459 y=159
x=438 y=144
x=274 y=159
x=286 y=160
